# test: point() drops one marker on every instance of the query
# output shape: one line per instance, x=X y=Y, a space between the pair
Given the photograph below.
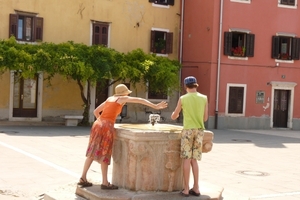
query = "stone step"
x=70 y=192
x=95 y=193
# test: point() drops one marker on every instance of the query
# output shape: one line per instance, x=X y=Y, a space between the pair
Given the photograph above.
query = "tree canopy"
x=88 y=65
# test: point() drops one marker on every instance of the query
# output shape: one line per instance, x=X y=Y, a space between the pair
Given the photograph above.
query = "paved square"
x=249 y=164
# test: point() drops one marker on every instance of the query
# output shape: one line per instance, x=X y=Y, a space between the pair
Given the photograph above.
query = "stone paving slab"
x=52 y=156
x=64 y=192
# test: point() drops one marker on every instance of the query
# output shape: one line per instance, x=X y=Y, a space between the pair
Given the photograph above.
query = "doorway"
x=282 y=105
x=280 y=109
x=25 y=97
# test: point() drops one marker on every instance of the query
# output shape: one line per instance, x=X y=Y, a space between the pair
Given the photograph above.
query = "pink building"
x=245 y=56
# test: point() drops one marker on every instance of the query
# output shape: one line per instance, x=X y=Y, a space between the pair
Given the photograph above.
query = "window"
x=161 y=42
x=285 y=47
x=241 y=1
x=235 y=99
x=288 y=2
x=239 y=44
x=156 y=94
x=26 y=27
x=100 y=33
x=163 y=2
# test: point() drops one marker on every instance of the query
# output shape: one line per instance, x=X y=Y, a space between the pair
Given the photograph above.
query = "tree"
x=88 y=65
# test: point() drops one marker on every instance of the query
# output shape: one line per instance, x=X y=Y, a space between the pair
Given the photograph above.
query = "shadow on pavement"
x=47 y=131
x=273 y=138
x=260 y=138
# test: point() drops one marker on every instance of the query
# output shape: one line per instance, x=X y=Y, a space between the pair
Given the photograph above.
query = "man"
x=195 y=113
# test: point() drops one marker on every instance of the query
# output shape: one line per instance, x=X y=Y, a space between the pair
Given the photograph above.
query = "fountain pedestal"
x=147 y=157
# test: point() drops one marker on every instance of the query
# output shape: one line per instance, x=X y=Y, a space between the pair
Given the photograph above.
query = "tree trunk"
x=87 y=103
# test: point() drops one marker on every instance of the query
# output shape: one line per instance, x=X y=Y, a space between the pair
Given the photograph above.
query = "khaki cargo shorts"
x=191 y=144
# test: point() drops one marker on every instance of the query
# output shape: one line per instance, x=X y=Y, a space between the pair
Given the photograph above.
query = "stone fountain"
x=146 y=158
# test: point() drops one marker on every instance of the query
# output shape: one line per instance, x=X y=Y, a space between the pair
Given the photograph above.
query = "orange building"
x=245 y=55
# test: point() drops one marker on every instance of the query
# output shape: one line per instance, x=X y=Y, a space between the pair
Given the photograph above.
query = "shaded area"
x=46 y=131
x=273 y=138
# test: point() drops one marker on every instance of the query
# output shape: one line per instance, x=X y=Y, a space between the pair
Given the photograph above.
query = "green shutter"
x=227 y=43
x=295 y=48
x=250 y=45
x=275 y=47
x=171 y=2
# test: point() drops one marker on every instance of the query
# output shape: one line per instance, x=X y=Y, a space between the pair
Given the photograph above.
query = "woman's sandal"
x=183 y=194
x=109 y=187
x=84 y=183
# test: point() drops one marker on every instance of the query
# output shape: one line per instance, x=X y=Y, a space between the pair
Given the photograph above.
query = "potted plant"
x=238 y=51
x=160 y=45
x=284 y=56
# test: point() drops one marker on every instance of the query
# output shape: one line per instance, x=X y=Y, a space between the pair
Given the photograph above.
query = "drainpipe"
x=181 y=32
x=180 y=45
x=219 y=64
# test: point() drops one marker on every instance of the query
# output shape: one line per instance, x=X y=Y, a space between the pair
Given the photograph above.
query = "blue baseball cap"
x=190 y=80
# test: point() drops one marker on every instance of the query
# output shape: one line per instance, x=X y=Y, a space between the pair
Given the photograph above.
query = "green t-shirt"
x=193 y=108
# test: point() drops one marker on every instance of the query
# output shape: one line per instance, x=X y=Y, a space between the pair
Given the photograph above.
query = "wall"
x=200 y=58
x=4 y=93
x=71 y=20
x=261 y=69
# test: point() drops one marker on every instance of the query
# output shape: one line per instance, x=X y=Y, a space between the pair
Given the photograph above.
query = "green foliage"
x=160 y=44
x=163 y=75
x=161 y=72
x=88 y=64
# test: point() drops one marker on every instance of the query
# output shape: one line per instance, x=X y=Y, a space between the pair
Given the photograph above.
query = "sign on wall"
x=260 y=96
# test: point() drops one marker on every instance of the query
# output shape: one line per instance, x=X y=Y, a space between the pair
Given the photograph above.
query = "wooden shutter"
x=100 y=34
x=275 y=47
x=96 y=34
x=227 y=43
x=169 y=43
x=13 y=25
x=250 y=45
x=38 y=28
x=295 y=48
x=152 y=38
x=104 y=35
x=171 y=2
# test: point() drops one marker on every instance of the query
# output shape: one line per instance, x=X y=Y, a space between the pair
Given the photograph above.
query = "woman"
x=102 y=132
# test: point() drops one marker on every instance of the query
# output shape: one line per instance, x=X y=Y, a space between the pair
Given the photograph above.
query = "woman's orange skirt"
x=101 y=141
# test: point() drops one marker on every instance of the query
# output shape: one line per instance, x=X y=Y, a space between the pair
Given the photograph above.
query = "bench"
x=72 y=120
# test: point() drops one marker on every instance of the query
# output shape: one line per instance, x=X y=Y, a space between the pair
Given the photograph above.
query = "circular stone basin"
x=156 y=127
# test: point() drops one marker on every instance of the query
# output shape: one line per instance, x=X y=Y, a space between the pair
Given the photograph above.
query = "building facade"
x=245 y=55
x=152 y=26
